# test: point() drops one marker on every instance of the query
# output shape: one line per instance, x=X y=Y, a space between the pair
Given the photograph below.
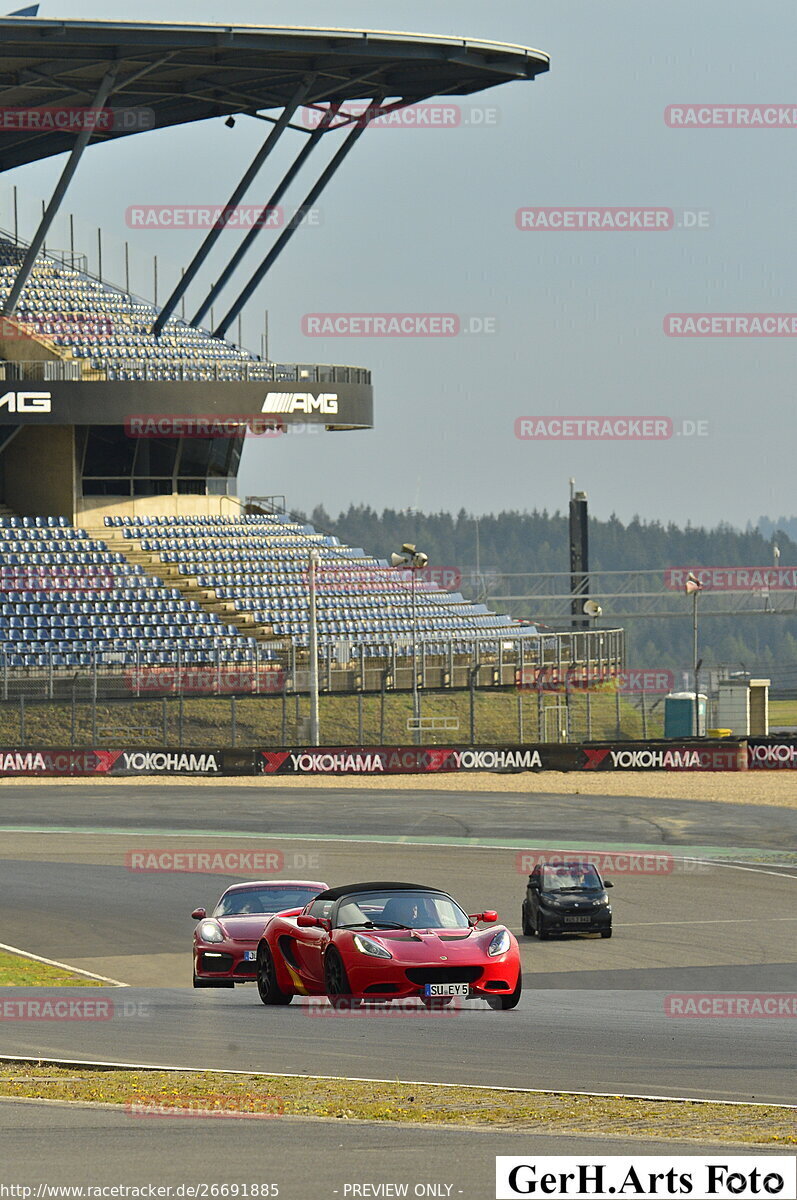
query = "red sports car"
x=387 y=941
x=225 y=942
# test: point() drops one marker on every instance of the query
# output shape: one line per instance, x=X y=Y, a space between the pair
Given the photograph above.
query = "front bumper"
x=224 y=961
x=563 y=921
x=389 y=980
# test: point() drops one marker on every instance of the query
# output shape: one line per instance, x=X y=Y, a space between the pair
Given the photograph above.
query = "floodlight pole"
x=227 y=212
x=50 y=213
x=695 y=660
x=312 y=564
x=416 y=708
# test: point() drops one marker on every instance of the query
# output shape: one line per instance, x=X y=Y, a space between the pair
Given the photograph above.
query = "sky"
x=424 y=221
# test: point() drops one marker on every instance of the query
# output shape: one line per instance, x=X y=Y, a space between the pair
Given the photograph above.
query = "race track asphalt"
x=592 y=1015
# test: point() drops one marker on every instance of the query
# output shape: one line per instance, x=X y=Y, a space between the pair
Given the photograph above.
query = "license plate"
x=250 y=955
x=446 y=989
x=579 y=920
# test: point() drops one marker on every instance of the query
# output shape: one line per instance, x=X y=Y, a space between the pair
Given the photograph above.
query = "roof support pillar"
x=273 y=201
x=50 y=213
x=374 y=110
x=234 y=200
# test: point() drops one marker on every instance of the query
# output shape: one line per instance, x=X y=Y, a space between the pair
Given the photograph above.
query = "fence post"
x=520 y=717
x=233 y=724
x=50 y=675
x=617 y=713
x=180 y=720
x=644 y=717
x=359 y=718
x=5 y=675
x=73 y=725
x=21 y=718
x=589 y=715
x=382 y=708
x=472 y=674
x=165 y=718
x=284 y=732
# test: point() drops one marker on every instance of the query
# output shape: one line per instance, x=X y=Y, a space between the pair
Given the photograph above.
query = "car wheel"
x=267 y=987
x=504 y=1003
x=606 y=932
x=528 y=928
x=336 y=981
x=542 y=931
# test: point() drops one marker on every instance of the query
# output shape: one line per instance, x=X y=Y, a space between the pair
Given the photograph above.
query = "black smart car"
x=567 y=898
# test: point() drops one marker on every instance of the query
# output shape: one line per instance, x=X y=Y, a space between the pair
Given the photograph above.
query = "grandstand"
x=121 y=550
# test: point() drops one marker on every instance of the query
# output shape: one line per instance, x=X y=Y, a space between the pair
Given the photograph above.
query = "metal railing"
x=183 y=370
x=345 y=667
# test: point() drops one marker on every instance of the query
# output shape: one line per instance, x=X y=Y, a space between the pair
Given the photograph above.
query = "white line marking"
x=477 y=1087
x=51 y=962
x=687 y=922
x=717 y=862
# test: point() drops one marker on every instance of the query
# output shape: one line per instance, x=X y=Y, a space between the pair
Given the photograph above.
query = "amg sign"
x=27 y=402
x=306 y=402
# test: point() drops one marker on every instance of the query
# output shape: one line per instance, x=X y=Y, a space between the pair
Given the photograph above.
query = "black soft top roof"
x=351 y=889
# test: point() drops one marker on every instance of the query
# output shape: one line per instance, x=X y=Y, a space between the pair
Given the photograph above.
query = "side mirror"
x=608 y=883
x=307 y=922
x=198 y=914
x=534 y=884
x=490 y=915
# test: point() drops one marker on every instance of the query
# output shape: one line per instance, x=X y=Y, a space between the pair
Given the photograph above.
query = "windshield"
x=400 y=909
x=263 y=900
x=573 y=875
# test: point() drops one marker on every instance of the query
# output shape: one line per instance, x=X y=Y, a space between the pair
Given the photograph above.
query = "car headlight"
x=210 y=932
x=500 y=943
x=604 y=902
x=366 y=946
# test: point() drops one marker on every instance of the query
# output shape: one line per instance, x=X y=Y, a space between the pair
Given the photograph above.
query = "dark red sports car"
x=225 y=942
x=387 y=941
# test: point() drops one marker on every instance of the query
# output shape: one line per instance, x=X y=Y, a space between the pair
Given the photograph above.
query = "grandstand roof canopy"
x=192 y=72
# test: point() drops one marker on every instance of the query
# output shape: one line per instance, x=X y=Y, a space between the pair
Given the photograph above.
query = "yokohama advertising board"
x=400 y=760
x=110 y=762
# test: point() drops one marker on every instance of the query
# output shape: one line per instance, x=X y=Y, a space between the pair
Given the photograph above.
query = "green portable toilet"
x=679 y=715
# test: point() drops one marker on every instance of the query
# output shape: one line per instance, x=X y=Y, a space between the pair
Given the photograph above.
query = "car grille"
x=443 y=974
x=246 y=968
x=218 y=965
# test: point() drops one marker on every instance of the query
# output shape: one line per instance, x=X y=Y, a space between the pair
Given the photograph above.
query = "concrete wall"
x=39 y=476
x=91 y=510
